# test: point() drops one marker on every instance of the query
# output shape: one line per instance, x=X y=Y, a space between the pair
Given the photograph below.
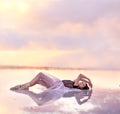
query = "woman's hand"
x=82 y=77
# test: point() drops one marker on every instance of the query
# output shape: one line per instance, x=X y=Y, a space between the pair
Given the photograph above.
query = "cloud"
x=102 y=34
x=82 y=11
x=102 y=59
x=90 y=26
x=92 y=59
x=61 y=24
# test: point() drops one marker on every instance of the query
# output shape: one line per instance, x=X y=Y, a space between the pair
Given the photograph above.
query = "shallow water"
x=104 y=99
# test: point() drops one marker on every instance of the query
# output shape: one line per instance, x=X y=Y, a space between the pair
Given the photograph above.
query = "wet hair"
x=85 y=88
x=70 y=84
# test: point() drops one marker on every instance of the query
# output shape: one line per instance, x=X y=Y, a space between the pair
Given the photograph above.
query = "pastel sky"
x=66 y=33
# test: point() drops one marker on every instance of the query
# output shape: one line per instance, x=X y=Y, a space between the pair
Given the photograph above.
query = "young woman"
x=49 y=81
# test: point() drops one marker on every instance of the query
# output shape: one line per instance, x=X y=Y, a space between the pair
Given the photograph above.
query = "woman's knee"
x=40 y=75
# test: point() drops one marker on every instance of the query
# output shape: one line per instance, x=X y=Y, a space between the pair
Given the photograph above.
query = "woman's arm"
x=85 y=95
x=86 y=79
x=82 y=77
x=88 y=82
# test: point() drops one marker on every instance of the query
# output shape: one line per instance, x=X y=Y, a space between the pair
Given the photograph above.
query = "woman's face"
x=82 y=84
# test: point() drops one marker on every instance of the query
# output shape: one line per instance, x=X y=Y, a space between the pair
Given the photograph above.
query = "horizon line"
x=12 y=67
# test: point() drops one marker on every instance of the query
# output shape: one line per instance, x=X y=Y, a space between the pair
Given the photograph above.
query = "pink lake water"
x=105 y=96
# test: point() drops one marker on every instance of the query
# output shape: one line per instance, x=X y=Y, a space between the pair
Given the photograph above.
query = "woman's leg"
x=41 y=79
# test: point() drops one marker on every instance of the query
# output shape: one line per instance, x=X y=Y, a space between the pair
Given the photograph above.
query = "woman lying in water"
x=49 y=81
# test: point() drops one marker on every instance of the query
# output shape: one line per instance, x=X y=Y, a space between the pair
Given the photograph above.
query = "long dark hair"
x=86 y=87
x=70 y=84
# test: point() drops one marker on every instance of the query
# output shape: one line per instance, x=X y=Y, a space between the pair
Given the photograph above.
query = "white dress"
x=54 y=92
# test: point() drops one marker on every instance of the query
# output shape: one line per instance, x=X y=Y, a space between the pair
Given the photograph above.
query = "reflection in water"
x=103 y=101
x=80 y=96
x=107 y=101
x=50 y=96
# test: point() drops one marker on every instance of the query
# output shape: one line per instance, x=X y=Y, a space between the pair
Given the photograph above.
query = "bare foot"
x=21 y=87
x=15 y=87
